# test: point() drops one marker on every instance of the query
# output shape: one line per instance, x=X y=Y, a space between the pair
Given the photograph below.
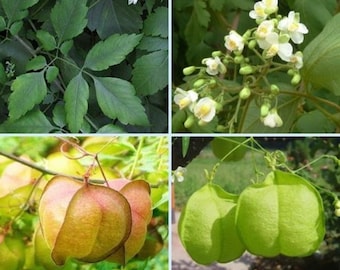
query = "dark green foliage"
x=56 y=55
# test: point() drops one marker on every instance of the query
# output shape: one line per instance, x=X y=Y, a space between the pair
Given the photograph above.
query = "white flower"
x=297 y=60
x=272 y=119
x=234 y=42
x=292 y=26
x=205 y=109
x=185 y=98
x=132 y=2
x=264 y=29
x=275 y=45
x=178 y=174
x=214 y=65
x=263 y=9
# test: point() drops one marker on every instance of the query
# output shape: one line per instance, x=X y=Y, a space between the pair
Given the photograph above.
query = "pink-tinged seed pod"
x=137 y=194
x=83 y=221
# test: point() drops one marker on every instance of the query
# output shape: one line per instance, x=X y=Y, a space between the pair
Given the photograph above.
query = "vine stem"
x=43 y=170
x=313 y=98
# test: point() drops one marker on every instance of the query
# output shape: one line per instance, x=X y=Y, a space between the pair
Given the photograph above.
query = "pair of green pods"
x=282 y=215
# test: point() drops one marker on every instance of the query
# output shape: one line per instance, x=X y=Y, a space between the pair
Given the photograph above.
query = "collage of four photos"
x=157 y=134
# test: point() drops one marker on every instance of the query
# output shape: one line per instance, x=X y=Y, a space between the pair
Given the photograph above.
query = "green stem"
x=139 y=150
x=23 y=43
x=313 y=98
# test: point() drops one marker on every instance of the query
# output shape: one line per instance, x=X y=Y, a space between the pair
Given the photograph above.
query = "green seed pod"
x=189 y=70
x=207 y=226
x=282 y=215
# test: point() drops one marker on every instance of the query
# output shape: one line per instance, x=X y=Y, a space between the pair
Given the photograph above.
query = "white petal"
x=302 y=28
x=285 y=51
x=297 y=37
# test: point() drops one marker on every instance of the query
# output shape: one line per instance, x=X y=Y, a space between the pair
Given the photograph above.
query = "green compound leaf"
x=322 y=58
x=16 y=10
x=28 y=90
x=33 y=122
x=108 y=17
x=117 y=100
x=69 y=18
x=282 y=215
x=150 y=73
x=47 y=40
x=76 y=96
x=111 y=52
x=157 y=24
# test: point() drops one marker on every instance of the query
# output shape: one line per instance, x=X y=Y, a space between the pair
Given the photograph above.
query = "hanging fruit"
x=282 y=215
x=207 y=226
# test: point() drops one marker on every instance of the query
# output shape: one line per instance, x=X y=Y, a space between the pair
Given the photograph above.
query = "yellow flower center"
x=273 y=50
x=293 y=27
x=204 y=110
x=184 y=102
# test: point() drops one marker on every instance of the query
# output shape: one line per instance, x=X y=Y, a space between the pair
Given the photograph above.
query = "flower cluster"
x=271 y=40
x=204 y=109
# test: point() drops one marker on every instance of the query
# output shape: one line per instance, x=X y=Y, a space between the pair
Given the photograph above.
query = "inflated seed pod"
x=207 y=226
x=83 y=221
x=282 y=215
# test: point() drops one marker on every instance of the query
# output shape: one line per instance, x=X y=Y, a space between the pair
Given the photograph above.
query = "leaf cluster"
x=83 y=66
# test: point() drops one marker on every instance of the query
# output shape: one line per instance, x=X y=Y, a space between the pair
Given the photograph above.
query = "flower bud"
x=274 y=89
x=189 y=70
x=239 y=59
x=199 y=83
x=337 y=204
x=216 y=53
x=212 y=83
x=291 y=72
x=296 y=79
x=246 y=70
x=265 y=109
x=189 y=122
x=337 y=212
x=252 y=44
x=245 y=93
